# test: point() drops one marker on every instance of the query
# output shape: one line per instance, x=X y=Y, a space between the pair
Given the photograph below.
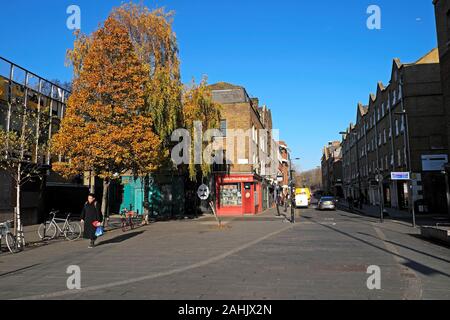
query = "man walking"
x=89 y=215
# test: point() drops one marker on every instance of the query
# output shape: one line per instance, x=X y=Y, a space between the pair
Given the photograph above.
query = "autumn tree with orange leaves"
x=107 y=130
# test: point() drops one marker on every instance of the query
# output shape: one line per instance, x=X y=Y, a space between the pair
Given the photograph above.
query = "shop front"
x=239 y=195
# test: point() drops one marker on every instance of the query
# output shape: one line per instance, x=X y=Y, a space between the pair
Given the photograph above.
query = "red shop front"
x=238 y=195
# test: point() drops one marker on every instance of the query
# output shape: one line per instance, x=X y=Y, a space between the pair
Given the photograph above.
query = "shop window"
x=231 y=195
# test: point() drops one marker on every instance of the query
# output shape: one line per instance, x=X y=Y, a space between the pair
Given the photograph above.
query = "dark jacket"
x=90 y=213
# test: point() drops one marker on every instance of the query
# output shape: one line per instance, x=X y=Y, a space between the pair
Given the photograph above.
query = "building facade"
x=247 y=186
x=402 y=129
x=44 y=102
x=332 y=169
x=442 y=10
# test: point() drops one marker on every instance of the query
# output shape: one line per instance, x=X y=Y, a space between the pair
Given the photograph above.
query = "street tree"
x=23 y=152
x=156 y=46
x=198 y=106
x=107 y=129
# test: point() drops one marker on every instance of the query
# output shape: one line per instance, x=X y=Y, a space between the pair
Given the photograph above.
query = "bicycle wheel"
x=72 y=231
x=11 y=243
x=131 y=224
x=47 y=231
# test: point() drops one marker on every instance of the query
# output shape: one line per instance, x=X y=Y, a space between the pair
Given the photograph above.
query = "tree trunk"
x=17 y=218
x=146 y=199
x=106 y=183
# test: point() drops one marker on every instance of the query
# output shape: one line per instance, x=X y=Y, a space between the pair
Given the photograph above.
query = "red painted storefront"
x=238 y=194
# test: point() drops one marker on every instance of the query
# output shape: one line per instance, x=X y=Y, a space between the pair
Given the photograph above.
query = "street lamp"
x=291 y=187
x=412 y=209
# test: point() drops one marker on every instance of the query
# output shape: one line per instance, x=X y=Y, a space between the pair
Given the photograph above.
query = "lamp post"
x=447 y=188
x=291 y=187
x=412 y=209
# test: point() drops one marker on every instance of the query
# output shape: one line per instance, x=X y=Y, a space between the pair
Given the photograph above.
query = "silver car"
x=327 y=203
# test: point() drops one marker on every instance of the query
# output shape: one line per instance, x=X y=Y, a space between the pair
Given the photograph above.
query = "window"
x=382 y=110
x=379 y=139
x=387 y=163
x=223 y=127
x=399 y=156
x=230 y=195
x=396 y=128
x=402 y=127
x=384 y=136
x=394 y=98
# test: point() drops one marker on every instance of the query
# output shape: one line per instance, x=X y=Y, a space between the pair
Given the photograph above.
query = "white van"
x=301 y=200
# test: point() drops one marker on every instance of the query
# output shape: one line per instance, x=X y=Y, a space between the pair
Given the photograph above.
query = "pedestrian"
x=89 y=215
x=350 y=203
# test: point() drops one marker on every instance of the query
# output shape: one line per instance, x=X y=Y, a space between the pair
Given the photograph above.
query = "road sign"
x=400 y=176
x=203 y=192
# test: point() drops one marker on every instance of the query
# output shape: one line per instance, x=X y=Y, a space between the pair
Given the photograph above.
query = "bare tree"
x=20 y=152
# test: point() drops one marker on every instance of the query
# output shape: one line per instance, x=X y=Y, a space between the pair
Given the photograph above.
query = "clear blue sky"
x=309 y=61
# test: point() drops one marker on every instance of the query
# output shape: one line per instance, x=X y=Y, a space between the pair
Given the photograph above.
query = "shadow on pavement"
x=18 y=271
x=414 y=265
x=121 y=238
x=408 y=248
x=432 y=241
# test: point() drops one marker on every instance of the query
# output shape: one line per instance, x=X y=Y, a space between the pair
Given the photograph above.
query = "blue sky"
x=309 y=61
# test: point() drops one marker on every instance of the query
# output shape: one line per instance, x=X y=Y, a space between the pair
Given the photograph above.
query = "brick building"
x=402 y=129
x=247 y=186
x=442 y=10
x=332 y=169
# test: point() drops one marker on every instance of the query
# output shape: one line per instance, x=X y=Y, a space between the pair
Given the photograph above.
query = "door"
x=138 y=200
x=247 y=198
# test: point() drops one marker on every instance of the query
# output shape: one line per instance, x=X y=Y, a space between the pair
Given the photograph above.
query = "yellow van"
x=303 y=191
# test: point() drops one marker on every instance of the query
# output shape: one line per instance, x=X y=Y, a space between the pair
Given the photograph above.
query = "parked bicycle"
x=10 y=239
x=126 y=218
x=51 y=229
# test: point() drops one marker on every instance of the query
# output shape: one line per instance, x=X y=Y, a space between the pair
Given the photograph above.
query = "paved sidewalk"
x=325 y=255
x=395 y=214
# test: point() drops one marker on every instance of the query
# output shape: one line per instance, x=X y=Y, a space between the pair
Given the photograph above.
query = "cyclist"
x=90 y=214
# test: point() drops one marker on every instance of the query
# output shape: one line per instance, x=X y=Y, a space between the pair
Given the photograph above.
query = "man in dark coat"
x=90 y=214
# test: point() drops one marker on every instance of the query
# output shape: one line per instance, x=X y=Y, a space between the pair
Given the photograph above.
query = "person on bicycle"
x=90 y=214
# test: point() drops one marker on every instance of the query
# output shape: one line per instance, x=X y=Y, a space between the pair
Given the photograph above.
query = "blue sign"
x=400 y=176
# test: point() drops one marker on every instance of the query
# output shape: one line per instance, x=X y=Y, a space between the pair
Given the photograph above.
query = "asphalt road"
x=325 y=255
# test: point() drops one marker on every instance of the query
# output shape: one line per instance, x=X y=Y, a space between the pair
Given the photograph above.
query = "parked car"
x=327 y=203
x=301 y=200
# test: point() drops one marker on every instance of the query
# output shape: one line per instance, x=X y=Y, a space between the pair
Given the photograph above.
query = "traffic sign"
x=400 y=176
